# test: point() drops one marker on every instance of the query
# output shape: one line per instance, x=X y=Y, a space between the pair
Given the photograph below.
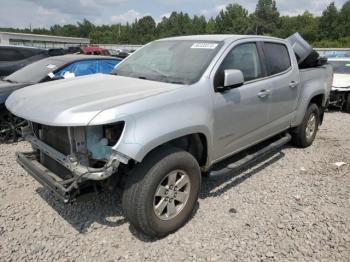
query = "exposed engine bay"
x=75 y=155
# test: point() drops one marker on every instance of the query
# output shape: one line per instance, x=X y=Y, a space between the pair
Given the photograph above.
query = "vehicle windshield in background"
x=341 y=67
x=35 y=72
x=171 y=61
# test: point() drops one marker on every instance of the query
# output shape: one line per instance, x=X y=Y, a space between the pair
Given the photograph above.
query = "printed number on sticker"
x=204 y=46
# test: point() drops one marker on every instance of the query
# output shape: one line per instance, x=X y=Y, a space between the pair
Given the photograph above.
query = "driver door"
x=241 y=113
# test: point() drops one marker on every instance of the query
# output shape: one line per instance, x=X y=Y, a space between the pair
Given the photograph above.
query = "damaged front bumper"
x=71 y=175
x=66 y=190
x=71 y=163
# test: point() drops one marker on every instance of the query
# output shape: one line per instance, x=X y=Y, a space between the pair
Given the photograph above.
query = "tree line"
x=331 y=29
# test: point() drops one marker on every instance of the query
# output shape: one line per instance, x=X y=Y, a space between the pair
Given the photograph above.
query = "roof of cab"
x=218 y=38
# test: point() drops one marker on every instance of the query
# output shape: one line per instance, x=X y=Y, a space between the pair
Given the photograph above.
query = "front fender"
x=139 y=138
x=164 y=138
x=162 y=118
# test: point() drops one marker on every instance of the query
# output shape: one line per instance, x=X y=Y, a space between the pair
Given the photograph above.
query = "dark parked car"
x=51 y=68
x=13 y=58
x=73 y=50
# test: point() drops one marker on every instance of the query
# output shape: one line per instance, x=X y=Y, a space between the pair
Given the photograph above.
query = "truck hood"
x=75 y=102
x=341 y=81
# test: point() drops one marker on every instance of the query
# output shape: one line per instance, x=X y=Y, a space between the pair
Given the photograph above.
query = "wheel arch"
x=318 y=97
x=196 y=143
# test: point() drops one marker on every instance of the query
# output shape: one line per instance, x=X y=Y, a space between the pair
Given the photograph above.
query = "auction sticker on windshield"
x=204 y=46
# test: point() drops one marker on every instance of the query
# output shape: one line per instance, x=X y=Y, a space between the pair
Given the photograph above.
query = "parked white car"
x=340 y=95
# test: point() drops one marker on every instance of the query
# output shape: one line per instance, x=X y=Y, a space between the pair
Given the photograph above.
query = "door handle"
x=293 y=84
x=264 y=93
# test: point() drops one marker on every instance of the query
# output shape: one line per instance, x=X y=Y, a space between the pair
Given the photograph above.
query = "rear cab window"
x=277 y=58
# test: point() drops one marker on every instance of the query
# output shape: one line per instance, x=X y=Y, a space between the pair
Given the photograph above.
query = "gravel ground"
x=293 y=206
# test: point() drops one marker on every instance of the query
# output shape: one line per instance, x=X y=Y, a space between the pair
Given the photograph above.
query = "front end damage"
x=72 y=161
x=338 y=97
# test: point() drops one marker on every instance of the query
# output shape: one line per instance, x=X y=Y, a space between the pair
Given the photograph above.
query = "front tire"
x=162 y=191
x=304 y=135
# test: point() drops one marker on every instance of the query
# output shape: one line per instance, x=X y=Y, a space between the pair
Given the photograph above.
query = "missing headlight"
x=101 y=139
x=113 y=132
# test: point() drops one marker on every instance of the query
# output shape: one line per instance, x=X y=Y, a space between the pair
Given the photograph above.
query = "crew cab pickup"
x=167 y=115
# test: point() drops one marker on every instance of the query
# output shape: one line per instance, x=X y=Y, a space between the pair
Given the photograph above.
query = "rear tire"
x=347 y=104
x=304 y=135
x=151 y=199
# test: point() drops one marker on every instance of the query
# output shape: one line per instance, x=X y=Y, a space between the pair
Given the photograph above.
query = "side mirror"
x=232 y=79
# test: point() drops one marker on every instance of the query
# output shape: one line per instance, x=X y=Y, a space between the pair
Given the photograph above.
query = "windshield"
x=341 y=67
x=171 y=61
x=35 y=72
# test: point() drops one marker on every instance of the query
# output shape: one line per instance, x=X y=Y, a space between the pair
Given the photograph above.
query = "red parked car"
x=93 y=50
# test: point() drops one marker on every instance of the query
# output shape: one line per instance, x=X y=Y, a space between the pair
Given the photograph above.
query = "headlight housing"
x=101 y=139
x=113 y=132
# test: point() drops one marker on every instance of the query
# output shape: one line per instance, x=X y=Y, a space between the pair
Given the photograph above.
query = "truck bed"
x=314 y=81
x=320 y=76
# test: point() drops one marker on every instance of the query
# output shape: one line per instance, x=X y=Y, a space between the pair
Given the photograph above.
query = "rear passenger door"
x=284 y=82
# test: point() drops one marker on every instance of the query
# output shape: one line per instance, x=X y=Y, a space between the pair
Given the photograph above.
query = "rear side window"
x=276 y=57
x=10 y=55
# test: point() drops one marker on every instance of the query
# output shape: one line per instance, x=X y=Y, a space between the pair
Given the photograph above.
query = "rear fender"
x=304 y=103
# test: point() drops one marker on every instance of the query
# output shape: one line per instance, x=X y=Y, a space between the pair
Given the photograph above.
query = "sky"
x=44 y=13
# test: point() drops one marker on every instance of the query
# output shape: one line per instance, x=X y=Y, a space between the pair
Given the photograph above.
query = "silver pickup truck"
x=168 y=114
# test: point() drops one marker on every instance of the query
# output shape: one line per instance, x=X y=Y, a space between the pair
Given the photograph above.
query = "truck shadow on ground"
x=216 y=186
x=104 y=210
x=100 y=210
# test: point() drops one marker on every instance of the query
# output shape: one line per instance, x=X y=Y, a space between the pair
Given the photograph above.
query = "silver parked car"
x=173 y=109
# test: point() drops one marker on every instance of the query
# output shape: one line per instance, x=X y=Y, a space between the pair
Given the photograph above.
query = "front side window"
x=277 y=58
x=171 y=61
x=244 y=57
